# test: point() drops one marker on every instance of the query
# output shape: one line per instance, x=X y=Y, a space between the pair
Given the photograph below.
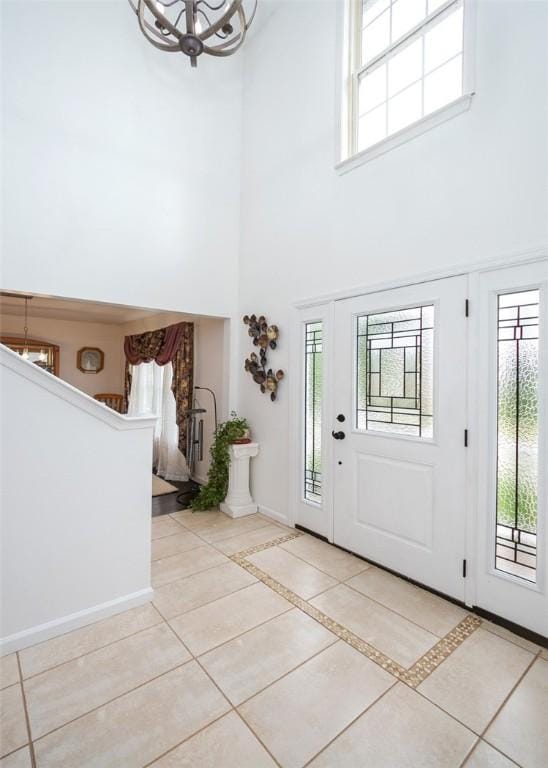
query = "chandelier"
x=195 y=26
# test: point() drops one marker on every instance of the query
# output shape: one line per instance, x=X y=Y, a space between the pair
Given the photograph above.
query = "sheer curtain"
x=151 y=394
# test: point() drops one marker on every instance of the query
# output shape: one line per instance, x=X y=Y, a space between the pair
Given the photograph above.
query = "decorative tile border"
x=412 y=676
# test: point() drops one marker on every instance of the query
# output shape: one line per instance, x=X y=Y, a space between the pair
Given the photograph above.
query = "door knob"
x=338 y=435
x=341 y=417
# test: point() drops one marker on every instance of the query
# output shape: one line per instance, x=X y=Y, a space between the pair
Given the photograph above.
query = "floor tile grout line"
x=503 y=704
x=313 y=565
x=324 y=620
x=234 y=709
x=241 y=634
x=471 y=751
x=289 y=672
x=510 y=640
x=476 y=745
x=174 y=554
x=411 y=621
x=187 y=738
x=261 y=742
x=94 y=650
x=114 y=698
x=26 y=711
x=351 y=723
x=208 y=602
x=209 y=567
x=233 y=535
x=223 y=694
x=411 y=676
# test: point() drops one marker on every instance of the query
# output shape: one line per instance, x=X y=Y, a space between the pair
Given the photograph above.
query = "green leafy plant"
x=216 y=487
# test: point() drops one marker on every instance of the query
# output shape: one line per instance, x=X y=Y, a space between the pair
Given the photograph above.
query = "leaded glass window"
x=313 y=412
x=517 y=433
x=395 y=372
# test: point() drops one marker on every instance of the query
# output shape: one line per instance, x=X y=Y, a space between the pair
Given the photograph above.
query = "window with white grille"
x=406 y=62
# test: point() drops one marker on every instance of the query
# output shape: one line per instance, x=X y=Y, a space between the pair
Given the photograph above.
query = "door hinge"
x=464 y=569
x=466 y=438
x=466 y=308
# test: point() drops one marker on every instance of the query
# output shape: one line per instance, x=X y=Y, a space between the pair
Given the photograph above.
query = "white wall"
x=70 y=336
x=121 y=163
x=75 y=511
x=472 y=189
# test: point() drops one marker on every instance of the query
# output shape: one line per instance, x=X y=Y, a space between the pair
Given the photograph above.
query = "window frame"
x=351 y=68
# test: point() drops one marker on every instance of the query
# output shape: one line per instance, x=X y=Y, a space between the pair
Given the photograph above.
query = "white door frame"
x=322 y=307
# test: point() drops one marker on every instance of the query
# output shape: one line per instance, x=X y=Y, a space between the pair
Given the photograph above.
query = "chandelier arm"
x=219 y=24
x=253 y=12
x=147 y=28
x=160 y=17
x=213 y=7
x=156 y=43
x=224 y=49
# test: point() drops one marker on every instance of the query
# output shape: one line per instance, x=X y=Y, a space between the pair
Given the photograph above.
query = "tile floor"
x=265 y=647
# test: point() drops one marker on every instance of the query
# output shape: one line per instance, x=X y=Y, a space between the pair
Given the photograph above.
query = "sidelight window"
x=313 y=412
x=517 y=433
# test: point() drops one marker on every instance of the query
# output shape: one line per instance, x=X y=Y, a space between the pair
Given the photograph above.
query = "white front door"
x=399 y=394
x=511 y=538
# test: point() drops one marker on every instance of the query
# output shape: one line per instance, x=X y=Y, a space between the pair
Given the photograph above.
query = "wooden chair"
x=112 y=400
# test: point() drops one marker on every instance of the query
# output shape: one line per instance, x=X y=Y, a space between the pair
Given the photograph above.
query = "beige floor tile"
x=183 y=595
x=249 y=663
x=521 y=728
x=390 y=633
x=295 y=574
x=544 y=654
x=19 y=759
x=185 y=564
x=136 y=728
x=333 y=561
x=245 y=540
x=402 y=730
x=164 y=526
x=298 y=715
x=474 y=681
x=13 y=727
x=423 y=608
x=9 y=670
x=196 y=521
x=227 y=743
x=510 y=636
x=172 y=545
x=61 y=649
x=224 y=529
x=69 y=691
x=485 y=756
x=204 y=628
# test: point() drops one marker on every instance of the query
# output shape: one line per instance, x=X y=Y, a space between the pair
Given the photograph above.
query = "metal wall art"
x=264 y=337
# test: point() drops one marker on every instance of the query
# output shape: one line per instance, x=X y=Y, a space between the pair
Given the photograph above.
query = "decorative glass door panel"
x=395 y=373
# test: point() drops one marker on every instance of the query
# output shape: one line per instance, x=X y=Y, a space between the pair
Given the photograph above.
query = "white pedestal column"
x=238 y=502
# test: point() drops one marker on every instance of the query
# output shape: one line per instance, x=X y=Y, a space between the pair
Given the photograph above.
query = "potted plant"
x=235 y=430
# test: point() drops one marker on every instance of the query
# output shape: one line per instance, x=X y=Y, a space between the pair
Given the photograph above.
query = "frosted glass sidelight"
x=517 y=433
x=313 y=412
x=395 y=372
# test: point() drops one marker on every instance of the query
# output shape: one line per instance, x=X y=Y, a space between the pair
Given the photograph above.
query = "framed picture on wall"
x=91 y=359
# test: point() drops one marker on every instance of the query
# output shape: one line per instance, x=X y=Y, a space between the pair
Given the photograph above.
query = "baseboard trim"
x=42 y=632
x=517 y=629
x=277 y=516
